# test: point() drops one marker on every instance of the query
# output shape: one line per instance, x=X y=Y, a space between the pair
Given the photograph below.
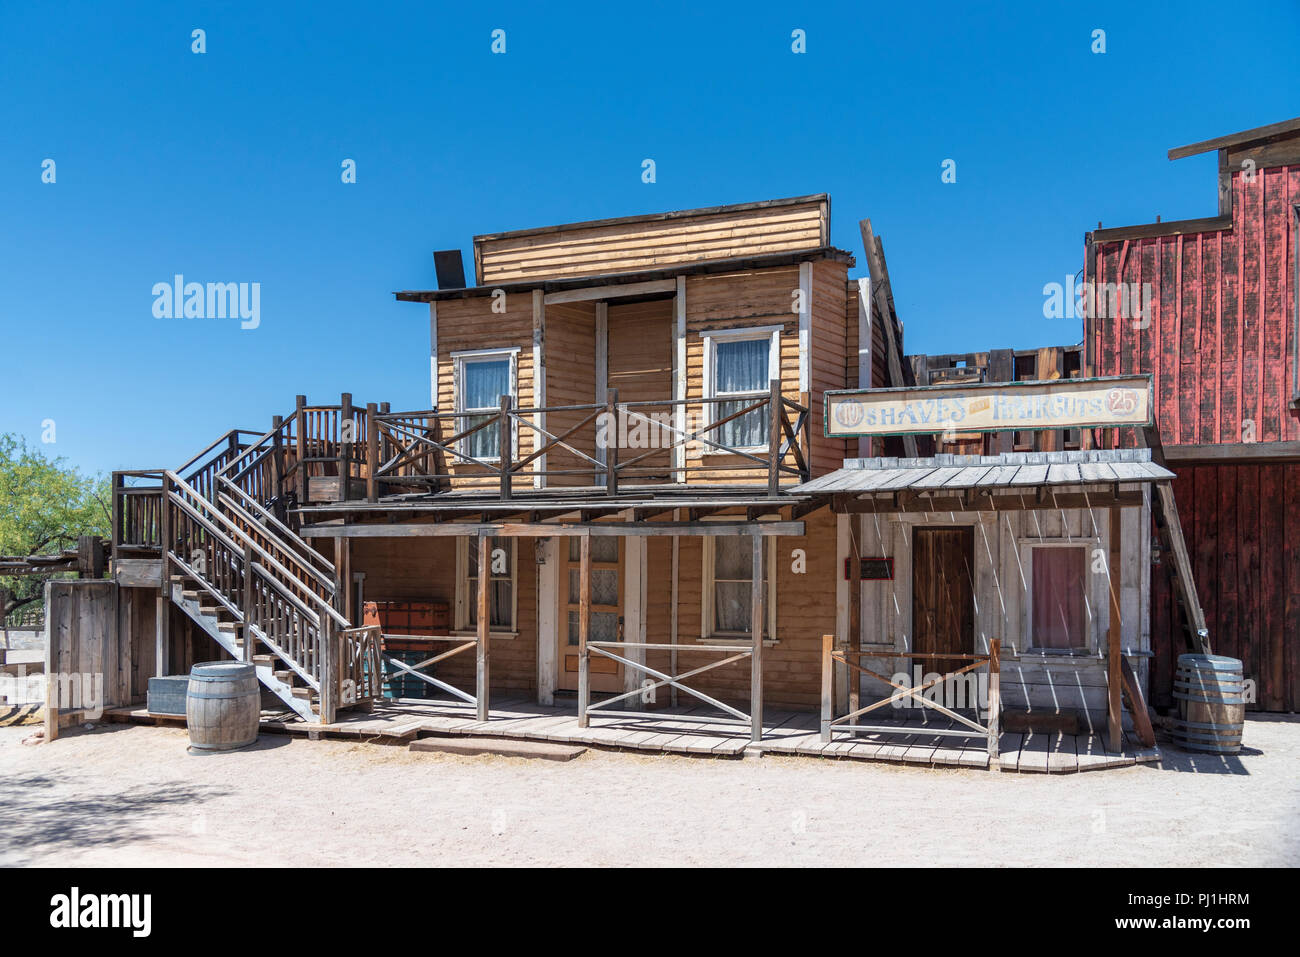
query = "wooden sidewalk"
x=917 y=739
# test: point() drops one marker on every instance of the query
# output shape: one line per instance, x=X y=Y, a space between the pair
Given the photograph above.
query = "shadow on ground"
x=39 y=812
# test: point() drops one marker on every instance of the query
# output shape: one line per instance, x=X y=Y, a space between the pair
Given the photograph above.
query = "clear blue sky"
x=225 y=166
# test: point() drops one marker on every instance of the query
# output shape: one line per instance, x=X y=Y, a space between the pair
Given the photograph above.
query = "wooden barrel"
x=222 y=705
x=1211 y=695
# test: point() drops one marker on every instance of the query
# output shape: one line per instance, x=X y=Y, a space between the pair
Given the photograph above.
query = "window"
x=741 y=364
x=1058 y=599
x=501 y=584
x=481 y=379
x=728 y=587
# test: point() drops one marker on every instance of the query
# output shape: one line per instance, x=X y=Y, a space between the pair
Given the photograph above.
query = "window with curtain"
x=1059 y=599
x=740 y=368
x=501 y=583
x=482 y=383
x=732 y=585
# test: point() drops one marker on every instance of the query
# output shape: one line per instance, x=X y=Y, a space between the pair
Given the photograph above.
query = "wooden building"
x=1209 y=308
x=627 y=492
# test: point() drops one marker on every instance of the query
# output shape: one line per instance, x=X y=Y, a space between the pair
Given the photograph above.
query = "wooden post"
x=995 y=701
x=329 y=671
x=828 y=685
x=344 y=571
x=247 y=608
x=757 y=613
x=853 y=644
x=277 y=468
x=116 y=513
x=584 y=628
x=300 y=438
x=1114 y=678
x=372 y=452
x=484 y=625
x=347 y=430
x=611 y=435
x=503 y=426
x=774 y=438
x=51 y=670
x=162 y=611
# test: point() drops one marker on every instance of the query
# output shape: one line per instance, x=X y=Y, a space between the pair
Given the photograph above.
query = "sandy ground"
x=130 y=795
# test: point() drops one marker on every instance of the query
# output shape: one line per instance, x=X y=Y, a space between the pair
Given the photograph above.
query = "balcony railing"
x=609 y=445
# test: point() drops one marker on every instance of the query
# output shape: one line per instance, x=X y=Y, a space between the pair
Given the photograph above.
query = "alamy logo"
x=179 y=299
x=74 y=909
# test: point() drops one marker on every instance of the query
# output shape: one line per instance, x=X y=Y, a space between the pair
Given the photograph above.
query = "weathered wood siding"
x=469 y=324
x=570 y=346
x=640 y=366
x=1242 y=525
x=1029 y=680
x=1221 y=343
x=828 y=357
x=738 y=300
x=645 y=242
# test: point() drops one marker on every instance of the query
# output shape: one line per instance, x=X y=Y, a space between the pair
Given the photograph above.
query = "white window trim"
x=459 y=361
x=463 y=627
x=1094 y=601
x=710 y=383
x=706 y=597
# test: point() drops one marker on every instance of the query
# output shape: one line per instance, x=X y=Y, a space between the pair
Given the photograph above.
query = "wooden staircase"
x=247 y=579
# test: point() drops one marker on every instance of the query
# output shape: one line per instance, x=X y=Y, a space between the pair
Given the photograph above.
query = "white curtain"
x=484 y=382
x=740 y=365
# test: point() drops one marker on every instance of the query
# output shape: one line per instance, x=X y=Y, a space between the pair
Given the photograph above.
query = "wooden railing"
x=831 y=656
x=434 y=449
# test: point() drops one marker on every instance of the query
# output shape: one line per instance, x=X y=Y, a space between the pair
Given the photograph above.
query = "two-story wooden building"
x=1210 y=308
x=628 y=491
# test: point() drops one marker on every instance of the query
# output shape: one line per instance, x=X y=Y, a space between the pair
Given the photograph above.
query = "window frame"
x=466 y=357
x=463 y=590
x=1094 y=599
x=707 y=595
x=773 y=334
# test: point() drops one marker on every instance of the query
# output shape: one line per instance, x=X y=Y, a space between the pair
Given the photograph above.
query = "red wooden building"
x=1209 y=308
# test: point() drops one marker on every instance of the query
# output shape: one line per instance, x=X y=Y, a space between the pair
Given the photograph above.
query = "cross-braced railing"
x=734 y=653
x=604 y=443
x=831 y=656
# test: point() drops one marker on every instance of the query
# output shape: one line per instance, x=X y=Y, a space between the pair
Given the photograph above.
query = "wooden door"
x=943 y=596
x=607 y=553
x=641 y=369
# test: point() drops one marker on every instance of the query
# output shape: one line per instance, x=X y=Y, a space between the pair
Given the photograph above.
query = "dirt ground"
x=129 y=795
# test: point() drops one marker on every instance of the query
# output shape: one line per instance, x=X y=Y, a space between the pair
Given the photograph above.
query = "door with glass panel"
x=606 y=611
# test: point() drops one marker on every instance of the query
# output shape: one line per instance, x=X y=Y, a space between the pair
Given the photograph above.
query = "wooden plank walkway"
x=916 y=738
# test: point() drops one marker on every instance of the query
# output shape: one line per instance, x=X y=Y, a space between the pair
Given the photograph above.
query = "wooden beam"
x=611 y=292
x=758 y=605
x=884 y=298
x=853 y=640
x=482 y=660
x=584 y=629
x=1114 y=676
x=505 y=530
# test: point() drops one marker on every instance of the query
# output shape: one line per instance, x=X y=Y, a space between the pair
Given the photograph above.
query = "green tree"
x=44 y=505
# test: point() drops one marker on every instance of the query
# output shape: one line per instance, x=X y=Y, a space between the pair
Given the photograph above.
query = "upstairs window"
x=739 y=366
x=481 y=379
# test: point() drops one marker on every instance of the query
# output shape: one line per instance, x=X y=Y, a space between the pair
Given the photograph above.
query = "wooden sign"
x=990 y=407
x=873 y=569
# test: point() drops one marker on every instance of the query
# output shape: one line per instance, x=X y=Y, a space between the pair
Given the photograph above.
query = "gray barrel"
x=222 y=705
x=1211 y=695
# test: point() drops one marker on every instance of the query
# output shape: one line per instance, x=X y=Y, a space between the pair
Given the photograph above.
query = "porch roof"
x=1009 y=470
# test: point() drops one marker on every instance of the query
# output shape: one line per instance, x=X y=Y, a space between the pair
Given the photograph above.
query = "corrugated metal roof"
x=1008 y=470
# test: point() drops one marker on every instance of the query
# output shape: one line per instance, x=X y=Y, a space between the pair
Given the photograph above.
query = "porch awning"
x=1009 y=472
